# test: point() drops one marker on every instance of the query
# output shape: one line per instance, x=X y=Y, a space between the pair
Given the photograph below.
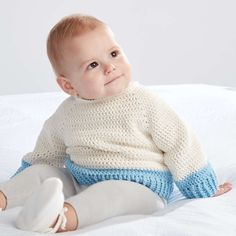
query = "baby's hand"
x=223 y=188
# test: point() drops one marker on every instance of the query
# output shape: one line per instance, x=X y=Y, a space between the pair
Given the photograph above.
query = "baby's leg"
x=15 y=191
x=113 y=198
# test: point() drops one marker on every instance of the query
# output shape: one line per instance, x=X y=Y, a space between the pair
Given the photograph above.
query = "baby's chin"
x=115 y=90
x=112 y=89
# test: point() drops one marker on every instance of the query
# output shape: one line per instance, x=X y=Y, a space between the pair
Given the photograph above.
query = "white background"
x=167 y=42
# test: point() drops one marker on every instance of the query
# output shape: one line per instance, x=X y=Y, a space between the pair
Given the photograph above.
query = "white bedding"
x=211 y=110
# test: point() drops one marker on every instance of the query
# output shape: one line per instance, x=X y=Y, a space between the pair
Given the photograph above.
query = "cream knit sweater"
x=134 y=136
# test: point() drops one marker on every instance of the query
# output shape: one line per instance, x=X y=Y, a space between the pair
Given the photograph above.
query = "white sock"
x=43 y=207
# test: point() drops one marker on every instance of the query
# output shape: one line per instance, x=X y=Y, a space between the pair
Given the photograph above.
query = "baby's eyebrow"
x=114 y=47
x=87 y=61
x=93 y=59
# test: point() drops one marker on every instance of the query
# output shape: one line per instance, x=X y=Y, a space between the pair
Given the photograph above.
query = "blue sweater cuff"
x=200 y=184
x=24 y=165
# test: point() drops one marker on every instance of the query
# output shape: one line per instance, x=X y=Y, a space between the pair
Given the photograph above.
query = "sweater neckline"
x=127 y=90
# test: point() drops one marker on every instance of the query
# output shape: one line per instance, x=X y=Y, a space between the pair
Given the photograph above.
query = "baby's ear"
x=66 y=85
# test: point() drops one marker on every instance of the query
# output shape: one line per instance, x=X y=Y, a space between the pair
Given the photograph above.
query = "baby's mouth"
x=115 y=78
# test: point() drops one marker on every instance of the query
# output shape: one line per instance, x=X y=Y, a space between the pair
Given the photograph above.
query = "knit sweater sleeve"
x=50 y=148
x=182 y=152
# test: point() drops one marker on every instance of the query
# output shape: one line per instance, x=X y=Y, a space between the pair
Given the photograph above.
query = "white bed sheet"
x=211 y=110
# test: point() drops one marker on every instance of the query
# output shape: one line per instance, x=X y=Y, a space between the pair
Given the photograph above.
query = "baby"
x=111 y=148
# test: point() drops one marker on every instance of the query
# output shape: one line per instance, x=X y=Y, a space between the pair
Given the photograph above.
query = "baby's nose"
x=109 y=68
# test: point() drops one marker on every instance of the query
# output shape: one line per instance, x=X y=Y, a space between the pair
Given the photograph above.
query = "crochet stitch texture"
x=132 y=136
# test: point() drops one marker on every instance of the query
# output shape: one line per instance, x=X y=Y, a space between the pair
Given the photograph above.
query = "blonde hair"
x=67 y=28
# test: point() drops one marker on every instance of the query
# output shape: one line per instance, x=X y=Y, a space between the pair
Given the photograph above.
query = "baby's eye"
x=115 y=53
x=92 y=65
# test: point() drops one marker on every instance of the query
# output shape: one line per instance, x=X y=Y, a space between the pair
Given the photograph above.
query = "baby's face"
x=95 y=65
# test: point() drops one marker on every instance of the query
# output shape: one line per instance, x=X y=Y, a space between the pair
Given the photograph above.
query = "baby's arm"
x=183 y=154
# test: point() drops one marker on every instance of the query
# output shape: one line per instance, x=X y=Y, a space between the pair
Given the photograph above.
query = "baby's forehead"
x=83 y=48
x=91 y=39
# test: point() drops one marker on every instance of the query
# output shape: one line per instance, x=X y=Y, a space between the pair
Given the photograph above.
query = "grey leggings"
x=93 y=203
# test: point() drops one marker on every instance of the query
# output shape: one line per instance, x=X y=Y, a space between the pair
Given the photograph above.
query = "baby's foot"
x=223 y=188
x=43 y=207
x=3 y=201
